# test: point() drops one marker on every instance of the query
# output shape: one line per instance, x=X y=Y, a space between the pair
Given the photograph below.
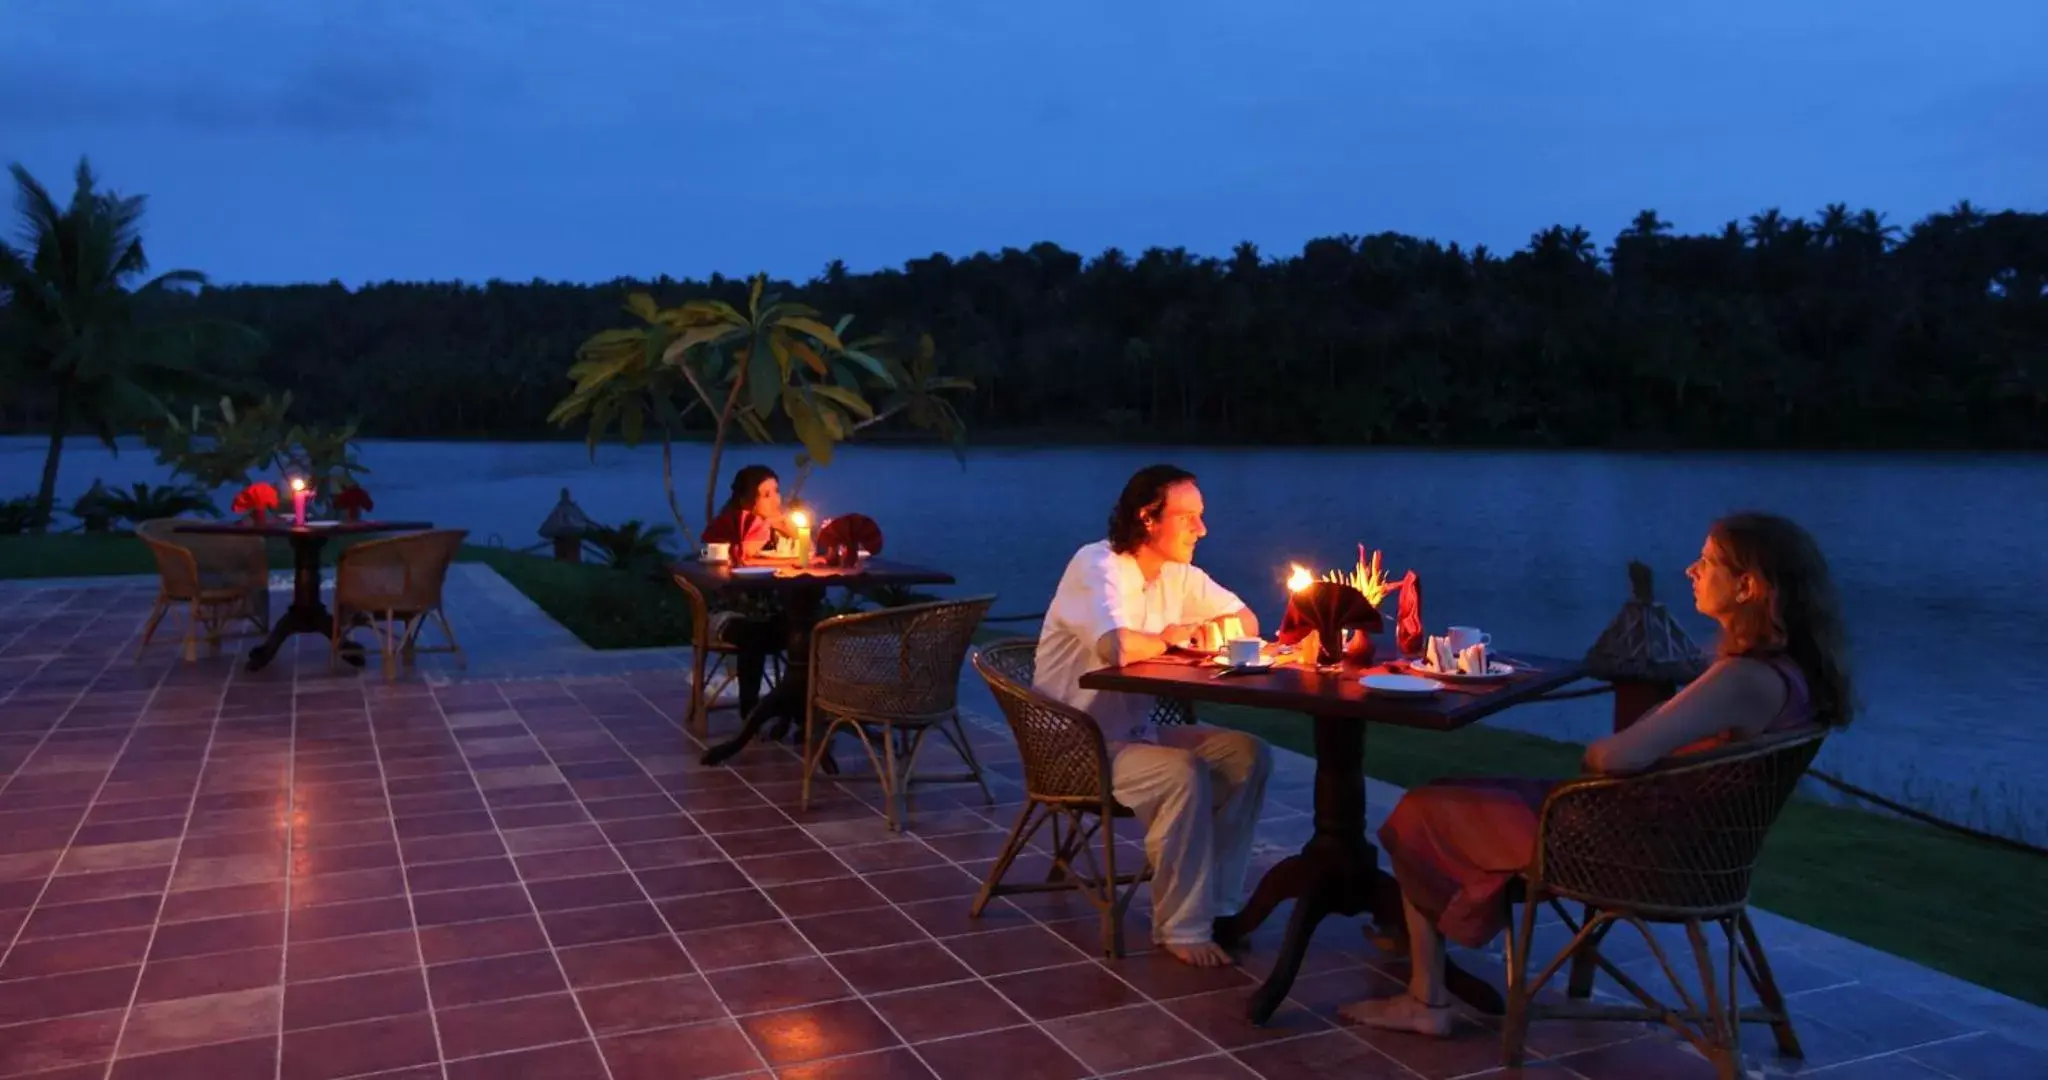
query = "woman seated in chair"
x=1456 y=844
x=750 y=520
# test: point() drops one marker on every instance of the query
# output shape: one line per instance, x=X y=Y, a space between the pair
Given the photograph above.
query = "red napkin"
x=1409 y=635
x=1328 y=608
x=857 y=532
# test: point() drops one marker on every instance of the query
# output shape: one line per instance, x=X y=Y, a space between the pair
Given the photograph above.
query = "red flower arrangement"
x=352 y=501
x=255 y=500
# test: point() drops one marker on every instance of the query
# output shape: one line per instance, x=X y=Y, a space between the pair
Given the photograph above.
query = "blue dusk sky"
x=362 y=140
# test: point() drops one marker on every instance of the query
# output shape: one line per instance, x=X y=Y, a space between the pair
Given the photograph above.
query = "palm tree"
x=77 y=327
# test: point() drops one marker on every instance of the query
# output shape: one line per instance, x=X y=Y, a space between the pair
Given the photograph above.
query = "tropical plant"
x=145 y=502
x=79 y=328
x=223 y=449
x=21 y=514
x=631 y=545
x=770 y=361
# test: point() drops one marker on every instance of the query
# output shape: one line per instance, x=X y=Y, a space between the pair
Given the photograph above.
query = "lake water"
x=1938 y=557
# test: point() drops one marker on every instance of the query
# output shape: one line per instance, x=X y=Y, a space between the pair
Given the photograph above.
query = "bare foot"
x=1401 y=1012
x=1208 y=954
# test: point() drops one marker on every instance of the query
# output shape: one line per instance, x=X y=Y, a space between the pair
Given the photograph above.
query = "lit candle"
x=802 y=521
x=1299 y=579
x=299 y=494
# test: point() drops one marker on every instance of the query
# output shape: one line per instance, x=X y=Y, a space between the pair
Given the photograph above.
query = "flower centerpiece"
x=1369 y=581
x=256 y=500
x=352 y=500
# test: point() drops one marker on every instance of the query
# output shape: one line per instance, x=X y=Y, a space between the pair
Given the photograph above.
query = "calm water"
x=1937 y=557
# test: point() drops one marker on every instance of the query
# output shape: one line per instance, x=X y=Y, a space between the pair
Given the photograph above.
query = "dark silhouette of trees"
x=1837 y=331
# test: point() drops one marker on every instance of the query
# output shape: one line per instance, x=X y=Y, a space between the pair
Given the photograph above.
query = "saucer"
x=755 y=571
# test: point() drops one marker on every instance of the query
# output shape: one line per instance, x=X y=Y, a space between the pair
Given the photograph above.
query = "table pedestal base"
x=1336 y=873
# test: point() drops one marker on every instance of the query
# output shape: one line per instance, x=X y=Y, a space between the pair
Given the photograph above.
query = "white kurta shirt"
x=1103 y=591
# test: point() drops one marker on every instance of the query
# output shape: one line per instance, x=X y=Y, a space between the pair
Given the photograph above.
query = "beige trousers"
x=1199 y=792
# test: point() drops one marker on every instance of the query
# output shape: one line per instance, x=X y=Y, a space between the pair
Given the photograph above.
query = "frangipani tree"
x=745 y=368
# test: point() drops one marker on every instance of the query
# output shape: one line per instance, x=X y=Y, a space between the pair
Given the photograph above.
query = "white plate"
x=1495 y=671
x=754 y=571
x=1224 y=662
x=1401 y=685
x=321 y=524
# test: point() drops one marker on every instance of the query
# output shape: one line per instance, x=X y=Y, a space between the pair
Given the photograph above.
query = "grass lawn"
x=1950 y=903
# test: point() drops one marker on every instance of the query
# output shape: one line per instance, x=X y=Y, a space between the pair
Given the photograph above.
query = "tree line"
x=1837 y=330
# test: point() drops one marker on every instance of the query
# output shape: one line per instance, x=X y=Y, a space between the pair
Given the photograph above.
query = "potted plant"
x=256 y=500
x=352 y=500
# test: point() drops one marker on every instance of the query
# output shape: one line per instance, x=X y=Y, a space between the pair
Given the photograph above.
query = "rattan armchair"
x=713 y=657
x=1066 y=782
x=393 y=585
x=219 y=579
x=1677 y=844
x=890 y=678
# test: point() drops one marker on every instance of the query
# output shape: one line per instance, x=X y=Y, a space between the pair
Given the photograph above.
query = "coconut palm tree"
x=77 y=327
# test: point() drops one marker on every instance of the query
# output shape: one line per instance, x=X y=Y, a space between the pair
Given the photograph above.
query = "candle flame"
x=800 y=519
x=298 y=483
x=1298 y=578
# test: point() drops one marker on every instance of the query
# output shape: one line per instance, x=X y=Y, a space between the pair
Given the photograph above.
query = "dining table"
x=1337 y=871
x=308 y=614
x=800 y=591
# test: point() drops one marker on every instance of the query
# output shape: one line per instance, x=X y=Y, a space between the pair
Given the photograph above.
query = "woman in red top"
x=1456 y=844
x=751 y=518
x=752 y=515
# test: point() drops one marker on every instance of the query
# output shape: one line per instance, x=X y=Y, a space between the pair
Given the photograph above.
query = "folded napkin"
x=857 y=532
x=1409 y=636
x=1328 y=608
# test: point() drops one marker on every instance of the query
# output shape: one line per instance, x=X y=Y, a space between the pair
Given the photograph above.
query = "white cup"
x=1461 y=638
x=1245 y=651
x=716 y=553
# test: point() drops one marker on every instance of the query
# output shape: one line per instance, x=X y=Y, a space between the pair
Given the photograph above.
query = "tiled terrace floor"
x=297 y=875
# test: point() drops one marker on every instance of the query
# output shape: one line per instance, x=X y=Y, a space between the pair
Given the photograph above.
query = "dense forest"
x=1831 y=331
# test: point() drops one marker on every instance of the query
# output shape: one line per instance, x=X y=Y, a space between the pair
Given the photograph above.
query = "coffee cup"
x=1461 y=638
x=716 y=553
x=1245 y=651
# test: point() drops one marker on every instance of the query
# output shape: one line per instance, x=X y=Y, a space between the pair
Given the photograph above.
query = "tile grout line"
x=893 y=906
x=291 y=814
x=191 y=805
x=404 y=881
x=610 y=845
x=547 y=935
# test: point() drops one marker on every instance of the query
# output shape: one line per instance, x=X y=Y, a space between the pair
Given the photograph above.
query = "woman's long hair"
x=746 y=487
x=1801 y=617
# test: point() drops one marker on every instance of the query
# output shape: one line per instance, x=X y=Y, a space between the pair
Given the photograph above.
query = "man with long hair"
x=1198 y=790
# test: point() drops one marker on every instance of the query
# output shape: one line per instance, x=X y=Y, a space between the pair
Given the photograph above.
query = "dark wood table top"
x=788 y=575
x=1338 y=694
x=282 y=526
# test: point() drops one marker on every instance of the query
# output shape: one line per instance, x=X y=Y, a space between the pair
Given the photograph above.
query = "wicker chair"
x=890 y=678
x=1677 y=844
x=712 y=657
x=220 y=579
x=1066 y=782
x=393 y=585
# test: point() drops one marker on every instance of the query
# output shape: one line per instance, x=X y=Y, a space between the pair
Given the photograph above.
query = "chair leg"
x=1027 y=824
x=191 y=639
x=1112 y=911
x=952 y=732
x=334 y=633
x=1722 y=1043
x=156 y=618
x=454 y=644
x=892 y=789
x=1758 y=968
x=1514 y=1028
x=1580 y=985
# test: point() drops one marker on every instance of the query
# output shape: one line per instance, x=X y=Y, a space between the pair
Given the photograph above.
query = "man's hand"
x=1180 y=635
